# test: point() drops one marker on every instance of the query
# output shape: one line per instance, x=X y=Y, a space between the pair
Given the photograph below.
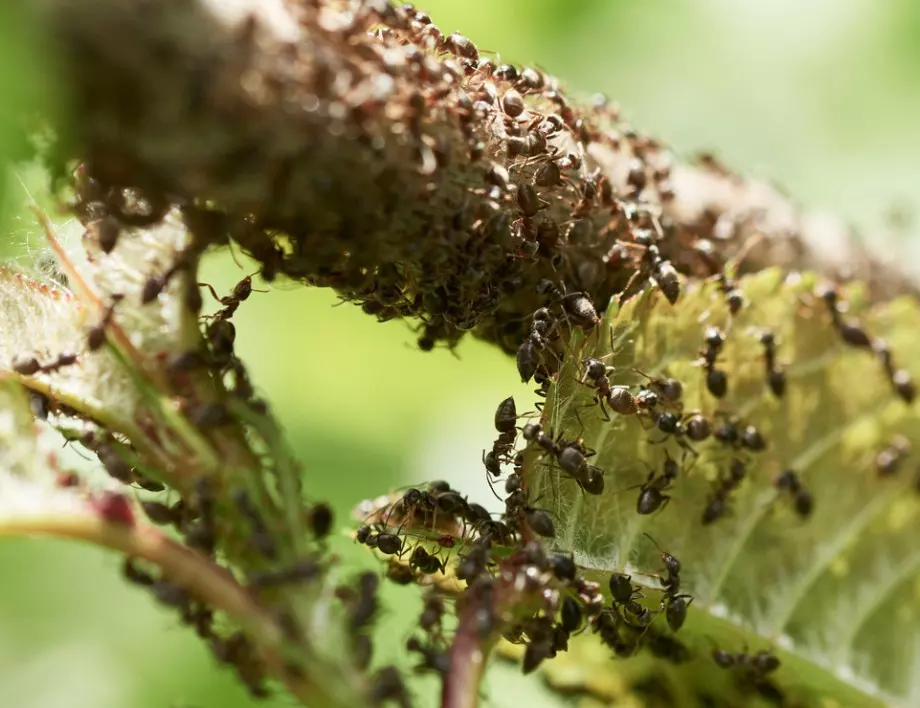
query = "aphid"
x=114 y=508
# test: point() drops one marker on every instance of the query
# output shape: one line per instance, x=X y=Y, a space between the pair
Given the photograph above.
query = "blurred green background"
x=821 y=97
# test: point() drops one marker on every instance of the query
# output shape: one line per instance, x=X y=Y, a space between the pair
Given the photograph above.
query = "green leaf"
x=833 y=594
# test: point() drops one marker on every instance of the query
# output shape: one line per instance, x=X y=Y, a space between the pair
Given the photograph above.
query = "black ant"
x=671 y=565
x=597 y=376
x=668 y=390
x=622 y=401
x=425 y=562
x=900 y=379
x=537 y=519
x=653 y=264
x=718 y=504
x=576 y=306
x=96 y=336
x=622 y=590
x=572 y=457
x=240 y=292
x=671 y=424
x=301 y=572
x=776 y=377
x=889 y=459
x=802 y=499
x=29 y=366
x=505 y=419
x=716 y=380
x=732 y=434
x=320 y=517
x=542 y=326
x=433 y=658
x=651 y=496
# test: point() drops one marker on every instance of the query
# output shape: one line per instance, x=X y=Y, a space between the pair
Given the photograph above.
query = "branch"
x=368 y=152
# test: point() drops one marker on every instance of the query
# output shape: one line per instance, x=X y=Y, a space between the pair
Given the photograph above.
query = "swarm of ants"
x=533 y=247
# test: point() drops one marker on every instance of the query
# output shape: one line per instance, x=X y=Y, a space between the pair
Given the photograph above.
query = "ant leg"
x=211 y=288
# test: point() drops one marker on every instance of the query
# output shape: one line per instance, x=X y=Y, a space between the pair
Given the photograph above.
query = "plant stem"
x=186 y=568
x=468 y=655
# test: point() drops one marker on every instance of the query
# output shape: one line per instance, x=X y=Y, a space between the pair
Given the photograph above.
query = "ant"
x=668 y=390
x=320 y=517
x=570 y=615
x=576 y=306
x=718 y=505
x=900 y=378
x=731 y=434
x=673 y=603
x=651 y=495
x=537 y=519
x=803 y=500
x=240 y=292
x=776 y=377
x=622 y=590
x=672 y=424
x=505 y=419
x=596 y=375
x=652 y=264
x=96 y=336
x=572 y=457
x=29 y=366
x=425 y=562
x=716 y=380
x=622 y=401
x=889 y=459
x=433 y=658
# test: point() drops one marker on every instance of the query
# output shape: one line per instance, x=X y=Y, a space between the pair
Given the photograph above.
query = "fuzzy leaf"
x=834 y=593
